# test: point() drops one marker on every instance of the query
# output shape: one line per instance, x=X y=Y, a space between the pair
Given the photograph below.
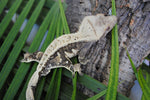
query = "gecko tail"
x=31 y=86
x=29 y=94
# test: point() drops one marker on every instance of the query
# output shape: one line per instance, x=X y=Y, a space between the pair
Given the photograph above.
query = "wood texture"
x=134 y=33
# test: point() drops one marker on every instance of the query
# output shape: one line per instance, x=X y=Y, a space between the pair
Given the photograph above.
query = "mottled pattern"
x=61 y=59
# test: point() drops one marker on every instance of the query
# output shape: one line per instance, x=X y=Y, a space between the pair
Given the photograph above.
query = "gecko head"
x=97 y=25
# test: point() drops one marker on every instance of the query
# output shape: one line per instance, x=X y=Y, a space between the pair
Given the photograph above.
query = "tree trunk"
x=134 y=34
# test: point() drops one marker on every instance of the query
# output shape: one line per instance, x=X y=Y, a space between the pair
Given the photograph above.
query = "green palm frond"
x=144 y=84
x=2 y=5
x=5 y=22
x=114 y=70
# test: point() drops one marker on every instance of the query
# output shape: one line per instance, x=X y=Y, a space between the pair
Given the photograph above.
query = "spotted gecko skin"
x=59 y=52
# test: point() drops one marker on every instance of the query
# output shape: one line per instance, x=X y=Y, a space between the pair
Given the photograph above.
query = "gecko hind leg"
x=36 y=56
x=74 y=68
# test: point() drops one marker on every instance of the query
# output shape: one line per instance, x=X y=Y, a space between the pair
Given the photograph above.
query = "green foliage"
x=23 y=67
x=15 y=29
x=132 y=65
x=144 y=84
x=5 y=22
x=74 y=87
x=114 y=70
x=13 y=55
x=65 y=25
x=2 y=5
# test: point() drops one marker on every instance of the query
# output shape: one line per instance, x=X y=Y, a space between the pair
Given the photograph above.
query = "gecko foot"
x=77 y=68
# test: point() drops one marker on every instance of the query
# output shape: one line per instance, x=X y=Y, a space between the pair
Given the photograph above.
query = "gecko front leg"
x=29 y=57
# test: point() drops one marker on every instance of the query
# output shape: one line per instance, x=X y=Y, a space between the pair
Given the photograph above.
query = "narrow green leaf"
x=113 y=77
x=65 y=25
x=143 y=97
x=59 y=28
x=143 y=85
x=50 y=88
x=140 y=78
x=114 y=70
x=148 y=82
x=52 y=29
x=8 y=17
x=97 y=96
x=74 y=80
x=2 y=5
x=58 y=83
x=19 y=45
x=74 y=87
x=132 y=64
x=15 y=29
x=148 y=78
x=49 y=3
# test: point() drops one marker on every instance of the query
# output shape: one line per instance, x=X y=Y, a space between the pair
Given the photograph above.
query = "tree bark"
x=134 y=34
